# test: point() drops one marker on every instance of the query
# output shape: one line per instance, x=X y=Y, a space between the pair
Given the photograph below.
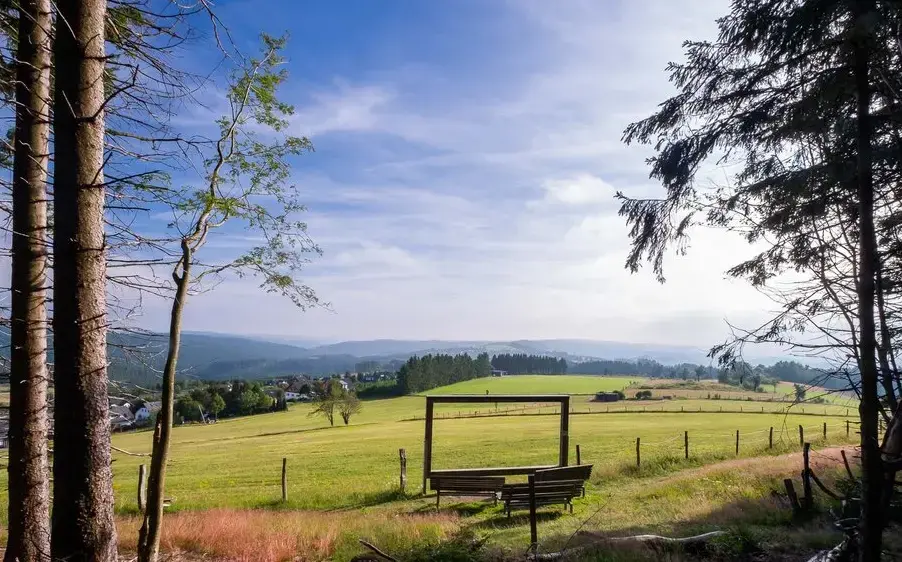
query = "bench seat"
x=466 y=486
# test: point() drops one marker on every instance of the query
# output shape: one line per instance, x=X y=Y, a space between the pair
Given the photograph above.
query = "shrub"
x=643 y=395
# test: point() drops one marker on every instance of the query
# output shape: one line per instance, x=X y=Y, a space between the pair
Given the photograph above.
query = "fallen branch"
x=124 y=452
x=839 y=553
x=644 y=539
x=365 y=557
x=845 y=461
x=823 y=488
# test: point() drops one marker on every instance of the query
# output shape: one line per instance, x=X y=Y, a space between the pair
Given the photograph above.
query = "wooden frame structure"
x=431 y=401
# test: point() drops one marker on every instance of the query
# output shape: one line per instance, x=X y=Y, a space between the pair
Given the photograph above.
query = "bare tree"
x=82 y=522
x=247 y=182
x=29 y=494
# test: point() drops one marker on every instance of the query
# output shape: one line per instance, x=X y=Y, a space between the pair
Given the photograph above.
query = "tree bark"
x=83 y=528
x=29 y=494
x=872 y=521
x=149 y=536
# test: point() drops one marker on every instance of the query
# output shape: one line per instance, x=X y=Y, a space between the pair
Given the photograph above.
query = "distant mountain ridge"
x=139 y=357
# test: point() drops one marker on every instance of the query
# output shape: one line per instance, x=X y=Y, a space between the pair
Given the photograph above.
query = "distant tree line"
x=431 y=371
x=521 y=363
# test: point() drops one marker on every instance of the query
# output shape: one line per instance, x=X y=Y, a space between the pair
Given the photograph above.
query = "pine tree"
x=29 y=494
x=82 y=521
x=800 y=99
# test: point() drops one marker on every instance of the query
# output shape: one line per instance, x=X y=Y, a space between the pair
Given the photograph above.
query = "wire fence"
x=669 y=408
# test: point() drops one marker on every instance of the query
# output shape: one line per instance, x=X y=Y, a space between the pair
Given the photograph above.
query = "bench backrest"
x=579 y=472
x=472 y=483
x=567 y=488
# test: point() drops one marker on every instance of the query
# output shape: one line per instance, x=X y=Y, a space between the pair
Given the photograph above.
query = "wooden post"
x=770 y=439
x=801 y=436
x=565 y=431
x=578 y=457
x=533 y=531
x=284 y=479
x=825 y=431
x=403 y=456
x=807 y=501
x=427 y=443
x=737 y=441
x=791 y=493
x=142 y=487
x=686 y=443
x=638 y=455
x=847 y=428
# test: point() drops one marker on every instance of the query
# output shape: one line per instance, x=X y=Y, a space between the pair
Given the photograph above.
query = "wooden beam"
x=427 y=443
x=489 y=398
x=490 y=471
x=565 y=431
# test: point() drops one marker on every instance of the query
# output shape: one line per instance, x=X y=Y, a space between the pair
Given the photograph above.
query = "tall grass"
x=276 y=536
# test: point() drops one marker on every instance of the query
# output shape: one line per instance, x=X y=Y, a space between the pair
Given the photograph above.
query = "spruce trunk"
x=83 y=528
x=29 y=494
x=872 y=520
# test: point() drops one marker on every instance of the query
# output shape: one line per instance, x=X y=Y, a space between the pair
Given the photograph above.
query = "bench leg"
x=438 y=498
x=571 y=507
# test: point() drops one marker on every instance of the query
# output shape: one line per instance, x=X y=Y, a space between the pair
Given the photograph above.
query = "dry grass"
x=276 y=536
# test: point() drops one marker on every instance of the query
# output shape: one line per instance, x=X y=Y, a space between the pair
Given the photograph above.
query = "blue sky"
x=467 y=154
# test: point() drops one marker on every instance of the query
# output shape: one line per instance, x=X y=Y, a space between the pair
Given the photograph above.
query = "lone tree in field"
x=348 y=406
x=799 y=99
x=327 y=400
x=248 y=185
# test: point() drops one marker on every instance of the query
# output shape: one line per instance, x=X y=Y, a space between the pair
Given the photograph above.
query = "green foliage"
x=643 y=395
x=188 y=409
x=800 y=392
x=431 y=371
x=524 y=364
x=463 y=548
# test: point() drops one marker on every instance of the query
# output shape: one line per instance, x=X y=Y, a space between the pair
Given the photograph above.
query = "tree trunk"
x=29 y=494
x=149 y=536
x=872 y=521
x=82 y=523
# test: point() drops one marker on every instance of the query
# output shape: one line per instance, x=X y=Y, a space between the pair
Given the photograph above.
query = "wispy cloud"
x=476 y=200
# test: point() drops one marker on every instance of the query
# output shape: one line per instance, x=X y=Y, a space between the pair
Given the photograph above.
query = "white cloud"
x=491 y=215
x=584 y=189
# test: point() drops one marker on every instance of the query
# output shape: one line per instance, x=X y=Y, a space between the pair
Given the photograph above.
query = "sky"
x=466 y=157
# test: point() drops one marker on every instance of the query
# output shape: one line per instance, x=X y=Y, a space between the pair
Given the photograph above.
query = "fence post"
x=770 y=439
x=801 y=436
x=578 y=458
x=686 y=443
x=737 y=441
x=402 y=454
x=791 y=493
x=807 y=501
x=284 y=479
x=825 y=431
x=533 y=531
x=847 y=428
x=638 y=455
x=142 y=487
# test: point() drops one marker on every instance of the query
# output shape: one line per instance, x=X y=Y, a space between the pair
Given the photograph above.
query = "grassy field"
x=236 y=464
x=538 y=384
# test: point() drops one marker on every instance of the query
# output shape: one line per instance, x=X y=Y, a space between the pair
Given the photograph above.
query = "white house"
x=292 y=396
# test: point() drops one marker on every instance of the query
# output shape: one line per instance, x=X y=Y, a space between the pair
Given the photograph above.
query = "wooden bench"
x=466 y=486
x=516 y=496
x=579 y=472
x=553 y=486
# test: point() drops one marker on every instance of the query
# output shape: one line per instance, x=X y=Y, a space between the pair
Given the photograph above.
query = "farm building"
x=607 y=396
